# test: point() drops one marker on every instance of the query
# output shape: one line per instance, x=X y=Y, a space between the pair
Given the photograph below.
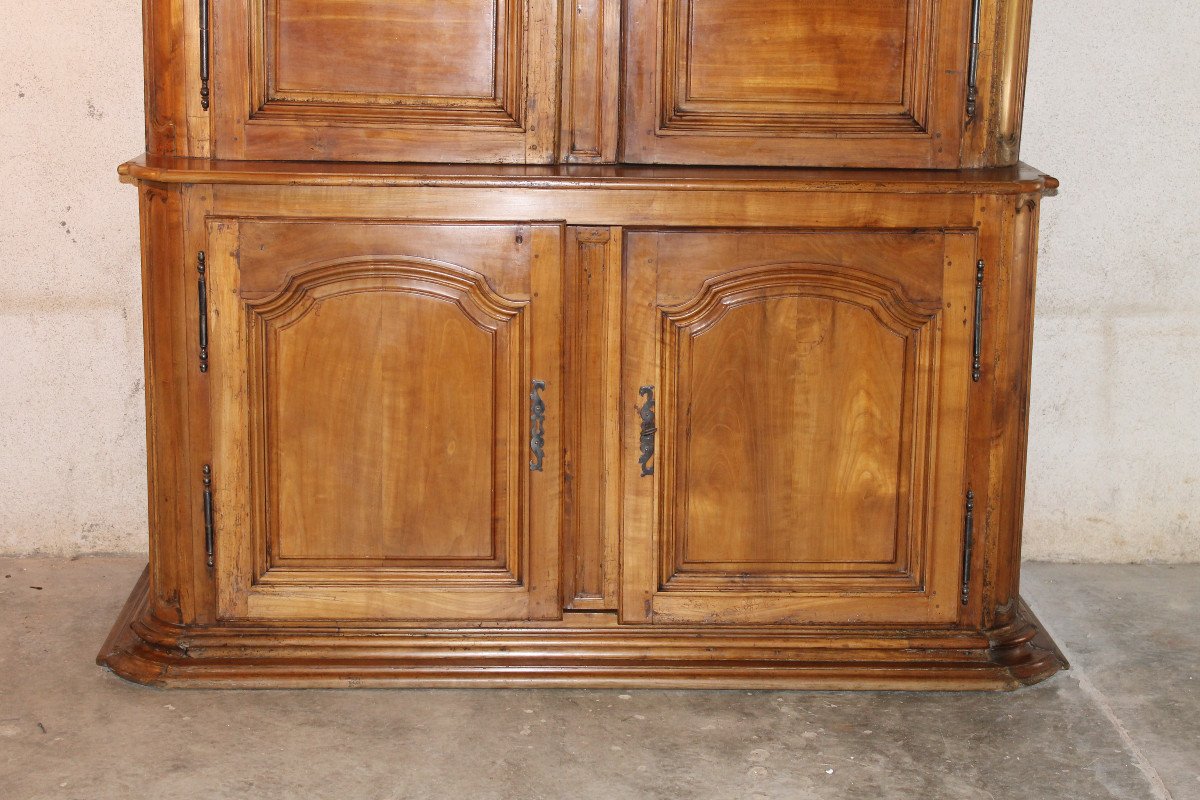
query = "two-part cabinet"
x=644 y=343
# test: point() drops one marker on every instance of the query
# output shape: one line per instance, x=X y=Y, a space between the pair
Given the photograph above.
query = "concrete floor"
x=1124 y=723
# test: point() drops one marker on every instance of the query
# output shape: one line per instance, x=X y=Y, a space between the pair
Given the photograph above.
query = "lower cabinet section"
x=398 y=437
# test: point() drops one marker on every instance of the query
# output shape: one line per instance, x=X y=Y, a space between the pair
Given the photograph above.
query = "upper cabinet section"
x=385 y=80
x=819 y=83
x=815 y=83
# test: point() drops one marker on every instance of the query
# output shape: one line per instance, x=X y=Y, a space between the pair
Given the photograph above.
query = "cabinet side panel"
x=163 y=33
x=993 y=137
x=176 y=121
x=1008 y=357
x=197 y=204
x=169 y=481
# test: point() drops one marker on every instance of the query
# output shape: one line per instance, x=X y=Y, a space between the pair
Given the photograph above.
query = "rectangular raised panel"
x=592 y=500
x=591 y=80
x=374 y=420
x=463 y=80
x=399 y=49
x=787 y=52
x=821 y=83
x=407 y=66
x=810 y=409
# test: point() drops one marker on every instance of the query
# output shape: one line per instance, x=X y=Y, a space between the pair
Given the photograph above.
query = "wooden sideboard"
x=657 y=343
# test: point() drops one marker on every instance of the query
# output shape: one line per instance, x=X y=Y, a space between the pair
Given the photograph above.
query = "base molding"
x=147 y=650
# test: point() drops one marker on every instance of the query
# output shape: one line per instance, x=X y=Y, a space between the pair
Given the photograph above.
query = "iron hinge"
x=968 y=543
x=973 y=63
x=204 y=32
x=209 y=538
x=977 y=341
x=202 y=307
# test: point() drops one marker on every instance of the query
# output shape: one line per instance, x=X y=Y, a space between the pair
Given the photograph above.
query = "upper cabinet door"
x=838 y=83
x=385 y=80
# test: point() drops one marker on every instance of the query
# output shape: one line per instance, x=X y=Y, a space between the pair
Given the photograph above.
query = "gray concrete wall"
x=1113 y=111
x=72 y=423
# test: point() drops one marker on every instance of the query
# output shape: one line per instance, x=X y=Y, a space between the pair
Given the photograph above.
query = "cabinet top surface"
x=1018 y=179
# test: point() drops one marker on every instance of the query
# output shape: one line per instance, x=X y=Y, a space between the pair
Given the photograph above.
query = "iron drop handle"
x=537 y=425
x=648 y=430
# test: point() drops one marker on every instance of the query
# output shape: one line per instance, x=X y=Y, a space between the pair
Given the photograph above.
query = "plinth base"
x=147 y=650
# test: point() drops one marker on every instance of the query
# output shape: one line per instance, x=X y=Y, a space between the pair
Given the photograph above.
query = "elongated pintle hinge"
x=208 y=515
x=968 y=543
x=204 y=54
x=202 y=307
x=977 y=343
x=973 y=63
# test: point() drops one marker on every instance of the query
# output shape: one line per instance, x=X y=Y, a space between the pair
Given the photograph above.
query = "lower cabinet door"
x=386 y=420
x=794 y=424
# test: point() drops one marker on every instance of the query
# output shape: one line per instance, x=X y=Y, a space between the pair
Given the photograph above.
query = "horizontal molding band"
x=1020 y=179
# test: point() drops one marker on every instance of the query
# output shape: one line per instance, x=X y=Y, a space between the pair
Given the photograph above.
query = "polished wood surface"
x=398 y=428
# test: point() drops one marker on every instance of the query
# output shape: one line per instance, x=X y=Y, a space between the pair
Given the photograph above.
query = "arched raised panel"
x=467 y=290
x=809 y=413
x=801 y=390
x=882 y=297
x=377 y=361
